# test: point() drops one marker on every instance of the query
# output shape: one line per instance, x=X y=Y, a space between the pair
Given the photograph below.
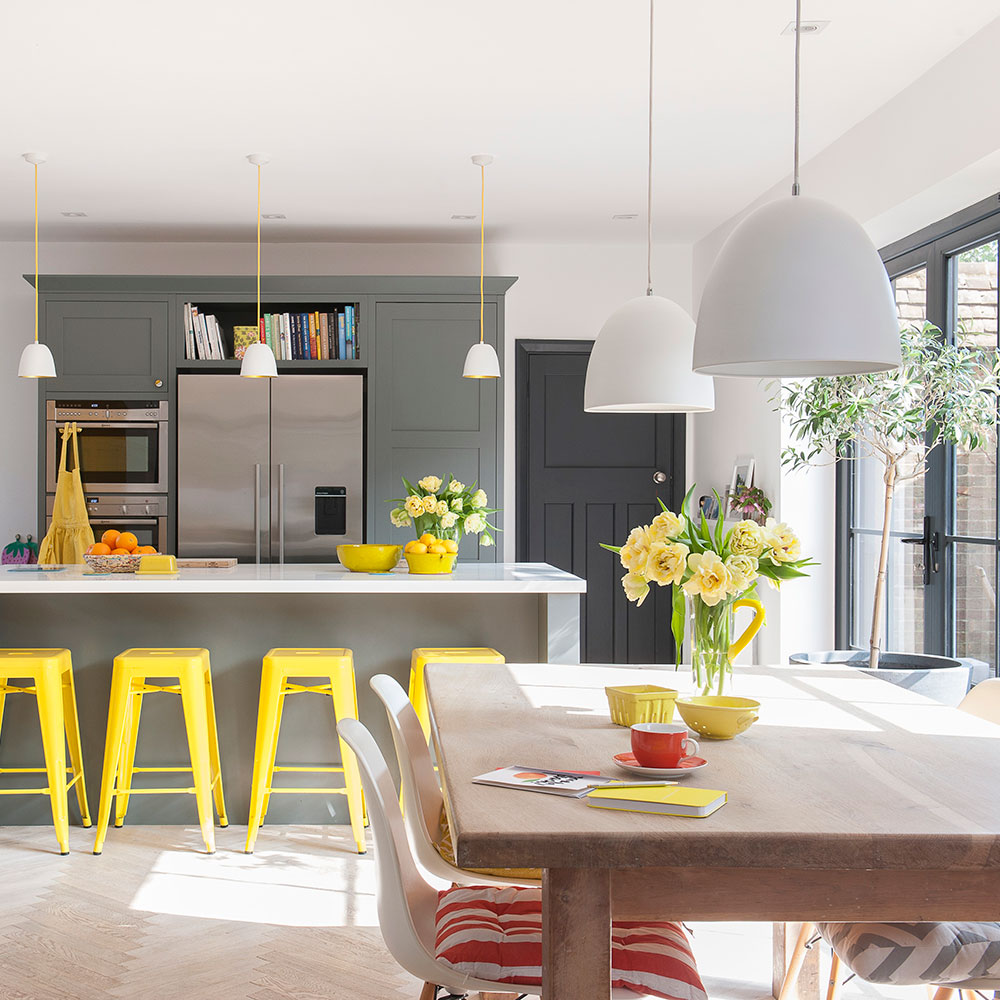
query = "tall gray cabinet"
x=122 y=337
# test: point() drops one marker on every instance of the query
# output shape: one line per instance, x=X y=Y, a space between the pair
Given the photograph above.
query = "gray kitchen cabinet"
x=427 y=419
x=116 y=343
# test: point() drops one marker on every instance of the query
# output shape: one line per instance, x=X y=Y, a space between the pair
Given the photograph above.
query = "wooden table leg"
x=576 y=934
x=783 y=940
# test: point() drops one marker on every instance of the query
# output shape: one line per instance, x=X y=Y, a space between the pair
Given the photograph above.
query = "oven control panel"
x=104 y=410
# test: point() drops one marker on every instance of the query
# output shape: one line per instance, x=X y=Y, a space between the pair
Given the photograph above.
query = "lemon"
x=450 y=545
x=427 y=539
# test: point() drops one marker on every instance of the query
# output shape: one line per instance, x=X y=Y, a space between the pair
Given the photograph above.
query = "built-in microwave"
x=144 y=516
x=123 y=444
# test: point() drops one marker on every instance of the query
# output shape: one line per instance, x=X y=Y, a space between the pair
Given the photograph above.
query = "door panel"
x=587 y=478
x=222 y=447
x=317 y=440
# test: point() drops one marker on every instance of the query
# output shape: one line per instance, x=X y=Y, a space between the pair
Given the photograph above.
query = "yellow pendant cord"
x=258 y=249
x=482 y=243
x=36 y=253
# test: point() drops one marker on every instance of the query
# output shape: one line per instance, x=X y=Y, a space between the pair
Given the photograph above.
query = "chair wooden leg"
x=795 y=963
x=944 y=993
x=833 y=987
x=428 y=992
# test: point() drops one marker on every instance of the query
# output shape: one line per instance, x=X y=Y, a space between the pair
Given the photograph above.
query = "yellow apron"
x=70 y=534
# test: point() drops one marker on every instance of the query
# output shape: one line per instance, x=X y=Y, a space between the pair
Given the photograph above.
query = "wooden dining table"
x=850 y=799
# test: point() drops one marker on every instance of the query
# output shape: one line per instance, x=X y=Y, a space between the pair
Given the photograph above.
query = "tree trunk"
x=874 y=645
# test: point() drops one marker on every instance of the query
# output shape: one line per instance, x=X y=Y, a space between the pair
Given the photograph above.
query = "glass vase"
x=711 y=632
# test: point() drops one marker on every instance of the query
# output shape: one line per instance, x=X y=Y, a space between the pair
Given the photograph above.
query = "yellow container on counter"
x=430 y=562
x=157 y=565
x=634 y=703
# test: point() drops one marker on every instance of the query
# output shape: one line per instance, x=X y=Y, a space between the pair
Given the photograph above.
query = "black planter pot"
x=942 y=678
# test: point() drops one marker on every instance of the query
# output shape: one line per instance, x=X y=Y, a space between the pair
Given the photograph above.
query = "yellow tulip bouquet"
x=446 y=509
x=717 y=570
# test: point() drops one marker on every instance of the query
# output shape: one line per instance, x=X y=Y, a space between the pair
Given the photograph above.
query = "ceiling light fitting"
x=805 y=28
x=36 y=359
x=798 y=289
x=482 y=360
x=641 y=359
x=258 y=362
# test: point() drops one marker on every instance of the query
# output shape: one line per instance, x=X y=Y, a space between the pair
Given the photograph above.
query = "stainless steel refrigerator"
x=270 y=470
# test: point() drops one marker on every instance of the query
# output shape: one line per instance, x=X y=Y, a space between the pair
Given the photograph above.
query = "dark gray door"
x=586 y=478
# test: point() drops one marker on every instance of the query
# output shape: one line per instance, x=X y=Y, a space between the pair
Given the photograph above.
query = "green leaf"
x=720 y=526
x=610 y=548
x=677 y=620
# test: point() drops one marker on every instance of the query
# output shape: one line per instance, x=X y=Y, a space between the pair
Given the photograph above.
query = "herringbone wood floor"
x=154 y=917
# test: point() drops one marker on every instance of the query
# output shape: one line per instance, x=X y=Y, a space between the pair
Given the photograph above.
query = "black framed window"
x=946 y=274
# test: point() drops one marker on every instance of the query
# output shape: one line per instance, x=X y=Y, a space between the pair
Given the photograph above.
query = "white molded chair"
x=407 y=904
x=421 y=791
x=982 y=701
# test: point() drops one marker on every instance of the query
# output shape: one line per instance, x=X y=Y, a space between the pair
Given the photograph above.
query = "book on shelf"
x=669 y=800
x=291 y=336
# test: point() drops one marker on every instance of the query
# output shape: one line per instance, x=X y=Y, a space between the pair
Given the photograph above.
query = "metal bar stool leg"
x=213 y=751
x=194 y=699
x=267 y=741
x=126 y=761
x=48 y=687
x=345 y=706
x=72 y=721
x=112 y=752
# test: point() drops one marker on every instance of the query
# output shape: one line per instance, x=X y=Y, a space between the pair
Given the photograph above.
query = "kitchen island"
x=528 y=611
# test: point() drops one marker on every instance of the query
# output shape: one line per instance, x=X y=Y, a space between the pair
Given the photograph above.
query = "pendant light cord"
x=36 y=253
x=258 y=250
x=795 y=139
x=482 y=242
x=649 y=165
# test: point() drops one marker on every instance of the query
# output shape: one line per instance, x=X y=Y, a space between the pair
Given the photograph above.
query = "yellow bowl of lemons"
x=369 y=558
x=430 y=554
x=718 y=716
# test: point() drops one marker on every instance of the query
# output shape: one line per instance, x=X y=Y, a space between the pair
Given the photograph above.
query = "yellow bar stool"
x=51 y=674
x=336 y=668
x=441 y=654
x=129 y=685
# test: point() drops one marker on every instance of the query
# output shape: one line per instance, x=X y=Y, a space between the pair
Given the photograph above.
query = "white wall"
x=562 y=292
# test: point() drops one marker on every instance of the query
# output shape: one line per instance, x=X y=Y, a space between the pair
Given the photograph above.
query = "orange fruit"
x=120 y=552
x=127 y=541
x=110 y=538
x=145 y=550
x=99 y=549
x=450 y=545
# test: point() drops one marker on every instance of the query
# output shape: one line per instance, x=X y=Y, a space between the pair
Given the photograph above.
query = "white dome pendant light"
x=482 y=360
x=36 y=359
x=798 y=290
x=641 y=360
x=258 y=362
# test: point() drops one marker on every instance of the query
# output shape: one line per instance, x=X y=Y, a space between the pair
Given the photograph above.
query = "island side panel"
x=559 y=628
x=238 y=630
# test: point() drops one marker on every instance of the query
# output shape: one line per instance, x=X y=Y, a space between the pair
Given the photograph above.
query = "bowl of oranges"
x=429 y=554
x=116 y=552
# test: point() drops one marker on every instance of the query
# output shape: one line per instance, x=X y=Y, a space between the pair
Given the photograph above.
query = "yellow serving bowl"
x=430 y=562
x=634 y=703
x=718 y=716
x=369 y=558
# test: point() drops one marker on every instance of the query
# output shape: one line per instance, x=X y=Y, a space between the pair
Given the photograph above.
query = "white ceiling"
x=370 y=111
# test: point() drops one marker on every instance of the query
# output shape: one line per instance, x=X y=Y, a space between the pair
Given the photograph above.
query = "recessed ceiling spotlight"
x=464 y=218
x=74 y=215
x=274 y=215
x=625 y=216
x=806 y=27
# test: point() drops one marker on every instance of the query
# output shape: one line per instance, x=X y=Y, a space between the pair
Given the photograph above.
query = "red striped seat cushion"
x=496 y=934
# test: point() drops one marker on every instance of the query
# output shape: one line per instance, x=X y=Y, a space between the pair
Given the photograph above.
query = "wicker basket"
x=640 y=703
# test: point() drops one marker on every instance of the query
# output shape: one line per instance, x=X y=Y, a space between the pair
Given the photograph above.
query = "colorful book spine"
x=313 y=343
x=287 y=334
x=352 y=343
x=267 y=331
x=342 y=335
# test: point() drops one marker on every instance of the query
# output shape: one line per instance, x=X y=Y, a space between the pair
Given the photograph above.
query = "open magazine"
x=571 y=784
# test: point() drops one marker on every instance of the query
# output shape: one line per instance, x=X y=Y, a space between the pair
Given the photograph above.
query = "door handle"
x=659 y=477
x=281 y=514
x=930 y=541
x=256 y=510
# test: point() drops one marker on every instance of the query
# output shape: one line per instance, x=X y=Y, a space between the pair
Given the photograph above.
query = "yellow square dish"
x=634 y=703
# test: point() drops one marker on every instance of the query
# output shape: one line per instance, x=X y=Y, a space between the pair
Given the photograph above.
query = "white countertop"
x=300 y=578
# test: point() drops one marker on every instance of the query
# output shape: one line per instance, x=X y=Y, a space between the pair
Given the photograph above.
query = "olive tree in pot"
x=942 y=394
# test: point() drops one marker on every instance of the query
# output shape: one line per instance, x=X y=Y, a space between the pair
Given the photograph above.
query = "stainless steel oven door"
x=119 y=457
x=149 y=530
x=145 y=517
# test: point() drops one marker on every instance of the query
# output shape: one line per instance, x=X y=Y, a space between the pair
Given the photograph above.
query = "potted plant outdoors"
x=941 y=394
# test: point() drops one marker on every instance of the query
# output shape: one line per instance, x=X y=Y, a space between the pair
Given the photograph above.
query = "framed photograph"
x=742 y=473
x=709 y=506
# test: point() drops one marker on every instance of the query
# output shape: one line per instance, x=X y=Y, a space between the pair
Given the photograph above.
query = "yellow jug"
x=70 y=533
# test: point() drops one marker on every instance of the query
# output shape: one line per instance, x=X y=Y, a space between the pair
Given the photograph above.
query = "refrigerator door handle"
x=256 y=510
x=281 y=514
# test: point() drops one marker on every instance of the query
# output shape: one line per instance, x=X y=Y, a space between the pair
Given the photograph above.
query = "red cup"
x=662 y=744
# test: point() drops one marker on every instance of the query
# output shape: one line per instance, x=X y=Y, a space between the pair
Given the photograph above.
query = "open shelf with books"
x=220 y=331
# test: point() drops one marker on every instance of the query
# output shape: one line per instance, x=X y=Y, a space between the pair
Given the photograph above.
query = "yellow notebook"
x=672 y=800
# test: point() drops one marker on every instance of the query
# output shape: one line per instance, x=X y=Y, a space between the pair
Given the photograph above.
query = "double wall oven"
x=123 y=463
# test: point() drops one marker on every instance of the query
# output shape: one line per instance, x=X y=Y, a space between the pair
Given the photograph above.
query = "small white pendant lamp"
x=482 y=360
x=36 y=359
x=798 y=290
x=258 y=362
x=641 y=359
